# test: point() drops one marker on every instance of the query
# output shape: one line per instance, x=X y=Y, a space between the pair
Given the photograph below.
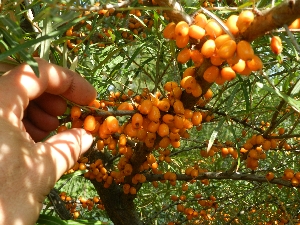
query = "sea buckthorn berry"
x=190 y=71
x=208 y=94
x=75 y=112
x=244 y=20
x=221 y=40
x=196 y=32
x=175 y=93
x=216 y=60
x=196 y=118
x=77 y=123
x=228 y=73
x=184 y=55
x=244 y=50
x=188 y=82
x=137 y=120
x=188 y=114
x=154 y=114
x=163 y=130
x=153 y=126
x=112 y=124
x=169 y=31
x=170 y=85
x=227 y=49
x=89 y=123
x=61 y=128
x=168 y=118
x=178 y=121
x=196 y=57
x=181 y=42
x=211 y=73
x=200 y=20
x=208 y=48
x=255 y=63
x=181 y=29
x=276 y=45
x=164 y=104
x=220 y=80
x=239 y=66
x=178 y=107
x=197 y=91
x=231 y=24
x=145 y=107
x=125 y=106
x=295 y=24
x=95 y=104
x=213 y=29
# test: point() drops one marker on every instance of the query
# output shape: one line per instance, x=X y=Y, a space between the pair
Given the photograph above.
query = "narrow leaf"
x=215 y=134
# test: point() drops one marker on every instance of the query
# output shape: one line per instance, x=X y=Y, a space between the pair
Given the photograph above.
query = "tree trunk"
x=119 y=206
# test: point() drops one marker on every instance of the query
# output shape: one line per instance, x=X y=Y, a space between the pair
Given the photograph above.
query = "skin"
x=29 y=107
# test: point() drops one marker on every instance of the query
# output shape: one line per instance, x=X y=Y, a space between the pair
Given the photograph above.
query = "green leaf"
x=292 y=102
x=215 y=134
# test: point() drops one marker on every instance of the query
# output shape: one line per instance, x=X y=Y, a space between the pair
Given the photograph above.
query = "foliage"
x=122 y=48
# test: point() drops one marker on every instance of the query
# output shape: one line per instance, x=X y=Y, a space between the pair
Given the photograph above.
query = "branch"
x=283 y=14
x=223 y=176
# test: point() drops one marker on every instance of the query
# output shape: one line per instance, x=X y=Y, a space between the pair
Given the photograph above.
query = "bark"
x=119 y=206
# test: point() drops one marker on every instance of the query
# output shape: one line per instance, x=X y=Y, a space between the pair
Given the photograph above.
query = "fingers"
x=66 y=147
x=52 y=104
x=20 y=85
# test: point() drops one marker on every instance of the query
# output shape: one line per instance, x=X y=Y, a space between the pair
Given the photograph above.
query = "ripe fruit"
x=244 y=50
x=169 y=31
x=182 y=41
x=255 y=63
x=231 y=24
x=137 y=120
x=197 y=59
x=170 y=85
x=211 y=73
x=227 y=49
x=228 y=73
x=200 y=20
x=184 y=55
x=181 y=29
x=276 y=45
x=154 y=114
x=239 y=66
x=213 y=29
x=196 y=32
x=244 y=20
x=208 y=48
x=61 y=128
x=75 y=112
x=112 y=124
x=163 y=130
x=145 y=107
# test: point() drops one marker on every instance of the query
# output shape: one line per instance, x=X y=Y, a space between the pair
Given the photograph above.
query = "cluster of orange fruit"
x=191 y=213
x=73 y=206
x=205 y=39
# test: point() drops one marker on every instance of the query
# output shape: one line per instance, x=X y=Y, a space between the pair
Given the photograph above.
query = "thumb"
x=66 y=147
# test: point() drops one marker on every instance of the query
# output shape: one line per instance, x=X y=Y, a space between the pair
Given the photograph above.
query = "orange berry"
x=196 y=32
x=188 y=83
x=77 y=123
x=112 y=124
x=125 y=106
x=95 y=104
x=208 y=94
x=227 y=49
x=184 y=55
x=244 y=50
x=170 y=85
x=75 y=112
x=164 y=104
x=255 y=63
x=145 y=107
x=276 y=45
x=211 y=73
x=169 y=31
x=181 y=29
x=231 y=24
x=196 y=57
x=89 y=123
x=221 y=40
x=239 y=66
x=295 y=24
x=213 y=29
x=244 y=20
x=228 y=73
x=200 y=20
x=182 y=41
x=196 y=118
x=154 y=114
x=208 y=48
x=61 y=128
x=178 y=107
x=168 y=118
x=163 y=130
x=137 y=120
x=197 y=91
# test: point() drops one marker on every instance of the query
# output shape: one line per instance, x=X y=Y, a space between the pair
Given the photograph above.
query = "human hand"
x=29 y=169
